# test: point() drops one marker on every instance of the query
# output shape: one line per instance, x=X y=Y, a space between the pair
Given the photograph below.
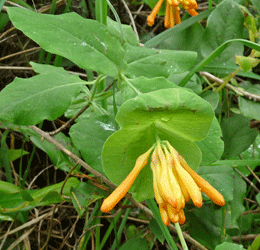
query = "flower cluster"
x=174 y=183
x=172 y=12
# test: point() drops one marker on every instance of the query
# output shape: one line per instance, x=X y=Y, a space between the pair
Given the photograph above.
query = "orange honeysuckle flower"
x=172 y=12
x=174 y=183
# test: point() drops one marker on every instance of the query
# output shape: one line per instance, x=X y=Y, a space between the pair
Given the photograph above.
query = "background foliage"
x=86 y=95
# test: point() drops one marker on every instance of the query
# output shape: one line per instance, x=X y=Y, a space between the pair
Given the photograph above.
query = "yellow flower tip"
x=164 y=215
x=173 y=215
x=150 y=20
x=192 y=12
x=106 y=206
x=174 y=3
x=182 y=217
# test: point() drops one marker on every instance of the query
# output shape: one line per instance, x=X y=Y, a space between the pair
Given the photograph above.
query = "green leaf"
x=58 y=158
x=180 y=120
x=83 y=195
x=256 y=3
x=258 y=198
x=239 y=191
x=247 y=63
x=26 y=195
x=145 y=85
x=256 y=243
x=128 y=34
x=187 y=39
x=83 y=41
x=212 y=146
x=14 y=154
x=123 y=148
x=71 y=182
x=8 y=188
x=45 y=96
x=89 y=136
x=237 y=135
x=156 y=40
x=211 y=96
x=224 y=23
x=157 y=232
x=205 y=225
x=135 y=243
x=194 y=83
x=229 y=246
x=3 y=20
x=221 y=178
x=186 y=115
x=250 y=108
x=151 y=63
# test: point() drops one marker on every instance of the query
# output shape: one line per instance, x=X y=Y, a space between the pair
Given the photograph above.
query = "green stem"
x=101 y=11
x=152 y=205
x=210 y=4
x=182 y=240
x=130 y=84
x=95 y=87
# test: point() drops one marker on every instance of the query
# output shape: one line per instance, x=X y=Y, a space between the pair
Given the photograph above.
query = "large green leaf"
x=123 y=148
x=42 y=197
x=83 y=195
x=212 y=146
x=187 y=39
x=205 y=225
x=45 y=96
x=175 y=115
x=177 y=110
x=128 y=34
x=154 y=63
x=211 y=96
x=89 y=136
x=221 y=178
x=83 y=41
x=224 y=23
x=250 y=108
x=229 y=246
x=145 y=85
x=256 y=3
x=237 y=135
x=58 y=158
x=135 y=243
x=239 y=191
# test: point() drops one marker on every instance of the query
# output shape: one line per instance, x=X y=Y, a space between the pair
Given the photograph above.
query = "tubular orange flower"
x=172 y=12
x=206 y=188
x=174 y=183
x=109 y=203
